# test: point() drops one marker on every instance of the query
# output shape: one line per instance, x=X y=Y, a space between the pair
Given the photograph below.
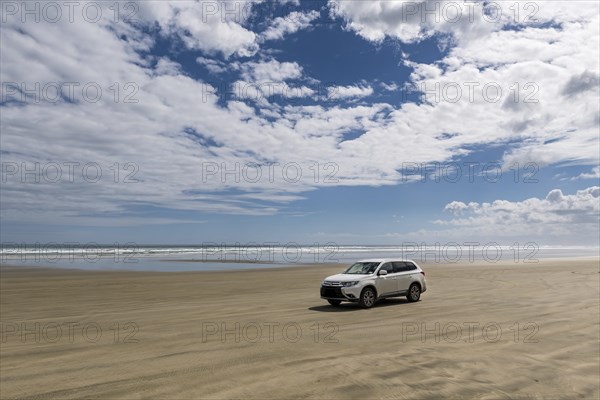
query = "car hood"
x=347 y=277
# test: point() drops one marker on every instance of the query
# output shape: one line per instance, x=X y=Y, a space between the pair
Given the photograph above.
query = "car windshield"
x=362 y=268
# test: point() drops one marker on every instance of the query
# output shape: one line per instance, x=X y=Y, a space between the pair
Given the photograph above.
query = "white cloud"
x=555 y=65
x=557 y=219
x=262 y=93
x=410 y=21
x=291 y=23
x=389 y=87
x=214 y=27
x=545 y=105
x=557 y=215
x=593 y=174
x=345 y=92
x=270 y=70
x=267 y=79
x=213 y=66
x=164 y=66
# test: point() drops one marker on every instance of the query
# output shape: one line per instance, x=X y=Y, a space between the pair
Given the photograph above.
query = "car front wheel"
x=334 y=303
x=414 y=293
x=367 y=298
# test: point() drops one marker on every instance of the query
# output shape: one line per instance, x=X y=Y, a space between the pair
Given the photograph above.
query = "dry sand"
x=168 y=344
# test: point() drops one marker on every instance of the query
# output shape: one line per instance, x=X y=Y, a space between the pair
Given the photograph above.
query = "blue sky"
x=363 y=76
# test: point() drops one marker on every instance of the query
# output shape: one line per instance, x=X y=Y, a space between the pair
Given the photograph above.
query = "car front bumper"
x=351 y=293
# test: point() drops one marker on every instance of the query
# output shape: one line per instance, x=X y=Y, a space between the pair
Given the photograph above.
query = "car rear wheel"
x=367 y=298
x=414 y=293
x=335 y=303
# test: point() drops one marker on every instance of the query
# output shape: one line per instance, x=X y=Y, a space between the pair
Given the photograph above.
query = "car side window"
x=398 y=266
x=388 y=267
x=402 y=266
x=410 y=266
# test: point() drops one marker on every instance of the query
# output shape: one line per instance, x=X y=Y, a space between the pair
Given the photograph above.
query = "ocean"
x=215 y=257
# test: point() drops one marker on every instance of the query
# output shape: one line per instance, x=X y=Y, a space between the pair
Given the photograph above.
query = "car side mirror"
x=382 y=272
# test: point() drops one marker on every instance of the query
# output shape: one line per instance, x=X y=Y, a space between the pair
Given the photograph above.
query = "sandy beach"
x=489 y=331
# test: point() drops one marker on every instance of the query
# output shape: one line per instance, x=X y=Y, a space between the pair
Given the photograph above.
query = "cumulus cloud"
x=410 y=21
x=557 y=214
x=213 y=27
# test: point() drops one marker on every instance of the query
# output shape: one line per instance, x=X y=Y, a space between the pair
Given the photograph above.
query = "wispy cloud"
x=291 y=23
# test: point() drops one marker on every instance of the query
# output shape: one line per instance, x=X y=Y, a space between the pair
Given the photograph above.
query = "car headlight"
x=348 y=284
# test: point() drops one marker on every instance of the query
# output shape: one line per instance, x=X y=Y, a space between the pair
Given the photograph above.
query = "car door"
x=404 y=275
x=387 y=284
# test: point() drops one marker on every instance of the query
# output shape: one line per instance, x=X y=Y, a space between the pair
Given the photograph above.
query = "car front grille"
x=333 y=292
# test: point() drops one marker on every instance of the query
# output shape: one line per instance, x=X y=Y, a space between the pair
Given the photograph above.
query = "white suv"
x=367 y=281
